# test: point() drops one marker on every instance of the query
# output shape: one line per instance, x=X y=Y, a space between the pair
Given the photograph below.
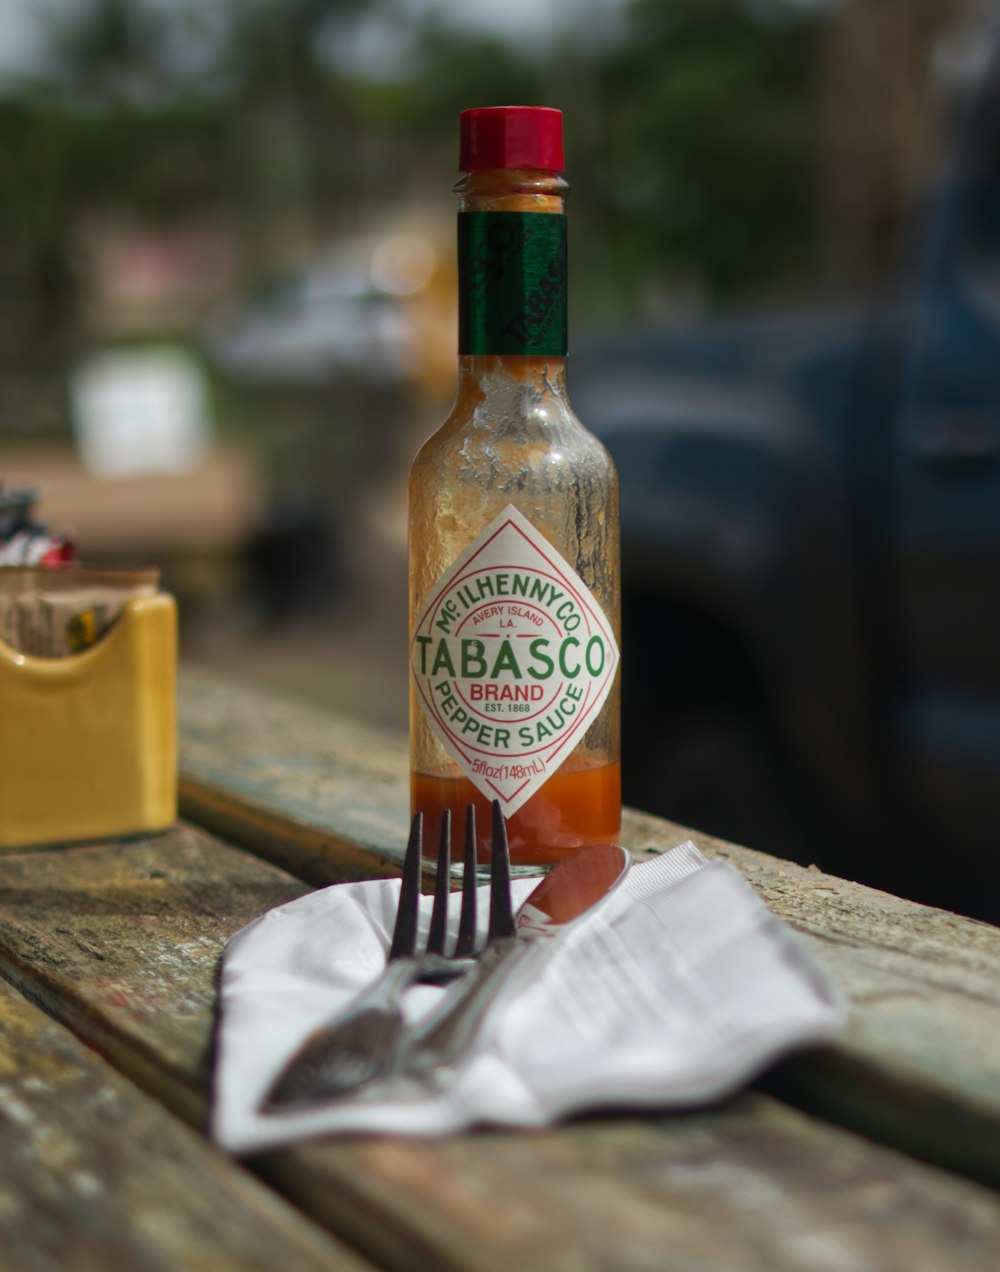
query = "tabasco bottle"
x=513 y=531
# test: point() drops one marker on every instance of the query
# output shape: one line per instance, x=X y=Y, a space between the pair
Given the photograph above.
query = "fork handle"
x=451 y=1027
x=360 y=1045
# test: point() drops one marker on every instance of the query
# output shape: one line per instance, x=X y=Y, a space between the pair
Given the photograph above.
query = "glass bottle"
x=513 y=532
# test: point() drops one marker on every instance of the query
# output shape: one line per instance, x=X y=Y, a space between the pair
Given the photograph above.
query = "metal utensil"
x=570 y=890
x=361 y=1045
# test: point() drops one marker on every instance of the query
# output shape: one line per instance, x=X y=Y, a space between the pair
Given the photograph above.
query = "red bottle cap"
x=511 y=137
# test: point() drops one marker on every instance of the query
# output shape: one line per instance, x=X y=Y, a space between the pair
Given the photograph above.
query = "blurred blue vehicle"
x=811 y=562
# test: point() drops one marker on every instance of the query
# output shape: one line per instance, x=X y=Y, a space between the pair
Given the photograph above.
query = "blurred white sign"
x=140 y=411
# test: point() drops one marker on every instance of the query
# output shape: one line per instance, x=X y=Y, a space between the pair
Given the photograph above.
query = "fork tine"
x=439 y=914
x=404 y=934
x=501 y=912
x=466 y=944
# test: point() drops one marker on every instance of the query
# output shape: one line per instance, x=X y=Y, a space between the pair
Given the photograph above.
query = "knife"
x=567 y=893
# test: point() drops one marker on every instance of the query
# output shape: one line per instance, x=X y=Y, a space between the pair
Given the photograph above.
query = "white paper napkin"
x=678 y=988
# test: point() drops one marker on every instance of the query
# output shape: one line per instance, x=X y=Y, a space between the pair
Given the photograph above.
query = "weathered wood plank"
x=122 y=941
x=753 y=1186
x=322 y=797
x=96 y=1175
x=920 y=1065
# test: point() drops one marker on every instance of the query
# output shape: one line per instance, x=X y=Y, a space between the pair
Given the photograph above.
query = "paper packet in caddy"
x=88 y=662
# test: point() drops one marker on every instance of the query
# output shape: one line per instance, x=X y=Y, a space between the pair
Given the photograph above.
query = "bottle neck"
x=512 y=265
x=512 y=190
x=477 y=371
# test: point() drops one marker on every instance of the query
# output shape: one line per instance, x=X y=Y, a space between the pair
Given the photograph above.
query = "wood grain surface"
x=97 y=1177
x=115 y=938
x=326 y=798
x=751 y=1187
x=919 y=1067
x=122 y=942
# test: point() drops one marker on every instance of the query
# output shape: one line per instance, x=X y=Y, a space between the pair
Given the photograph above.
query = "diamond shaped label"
x=512 y=659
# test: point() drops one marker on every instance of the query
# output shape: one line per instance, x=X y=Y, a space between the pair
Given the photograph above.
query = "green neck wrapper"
x=512 y=283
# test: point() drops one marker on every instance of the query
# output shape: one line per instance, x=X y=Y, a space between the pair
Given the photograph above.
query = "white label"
x=512 y=659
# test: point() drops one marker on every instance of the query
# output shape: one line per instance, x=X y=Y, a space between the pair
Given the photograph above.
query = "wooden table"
x=882 y=1152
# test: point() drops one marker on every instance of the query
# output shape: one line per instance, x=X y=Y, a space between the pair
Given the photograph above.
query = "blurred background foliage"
x=704 y=138
x=265 y=184
x=693 y=129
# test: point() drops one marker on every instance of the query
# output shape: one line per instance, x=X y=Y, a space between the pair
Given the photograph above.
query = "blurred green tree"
x=694 y=138
x=127 y=125
x=693 y=134
x=712 y=144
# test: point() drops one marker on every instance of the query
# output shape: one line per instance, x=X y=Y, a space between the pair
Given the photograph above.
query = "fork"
x=362 y=1045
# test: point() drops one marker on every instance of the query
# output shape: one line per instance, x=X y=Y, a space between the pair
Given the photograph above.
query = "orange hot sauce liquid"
x=573 y=808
